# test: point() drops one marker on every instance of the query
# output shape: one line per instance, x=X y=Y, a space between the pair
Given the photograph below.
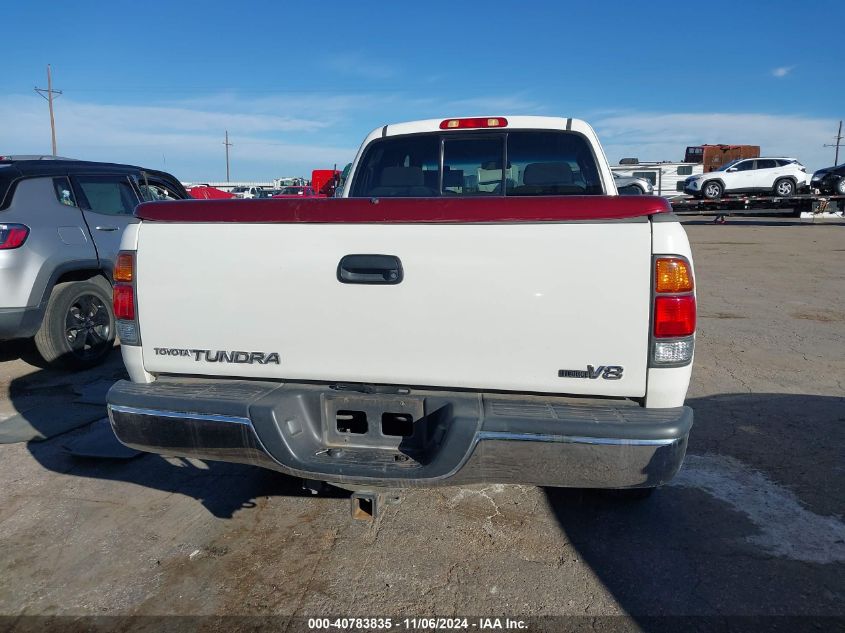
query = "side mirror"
x=731 y=169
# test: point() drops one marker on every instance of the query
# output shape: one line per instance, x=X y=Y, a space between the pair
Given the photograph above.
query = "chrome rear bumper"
x=465 y=438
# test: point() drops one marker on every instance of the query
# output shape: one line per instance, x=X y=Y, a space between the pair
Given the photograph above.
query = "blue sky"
x=297 y=86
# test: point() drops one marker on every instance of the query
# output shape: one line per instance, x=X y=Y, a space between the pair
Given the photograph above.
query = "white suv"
x=246 y=192
x=780 y=176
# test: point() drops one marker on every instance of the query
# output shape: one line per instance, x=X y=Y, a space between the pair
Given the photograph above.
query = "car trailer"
x=807 y=206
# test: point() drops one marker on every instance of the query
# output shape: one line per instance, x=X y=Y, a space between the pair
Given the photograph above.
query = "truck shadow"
x=751 y=526
x=42 y=396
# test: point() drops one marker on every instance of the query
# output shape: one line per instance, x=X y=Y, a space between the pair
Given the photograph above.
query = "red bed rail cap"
x=405 y=210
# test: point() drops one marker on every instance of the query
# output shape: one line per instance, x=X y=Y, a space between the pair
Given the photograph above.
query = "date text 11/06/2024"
x=352 y=624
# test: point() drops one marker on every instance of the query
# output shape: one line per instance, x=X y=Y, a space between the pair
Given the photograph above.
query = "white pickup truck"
x=479 y=306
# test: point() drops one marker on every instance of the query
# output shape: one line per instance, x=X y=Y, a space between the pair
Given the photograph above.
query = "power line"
x=838 y=139
x=48 y=94
x=228 y=145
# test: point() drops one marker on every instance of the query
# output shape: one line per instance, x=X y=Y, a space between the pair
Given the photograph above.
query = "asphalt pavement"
x=750 y=532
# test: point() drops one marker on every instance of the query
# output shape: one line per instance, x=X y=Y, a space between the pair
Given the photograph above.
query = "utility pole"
x=838 y=139
x=48 y=94
x=228 y=145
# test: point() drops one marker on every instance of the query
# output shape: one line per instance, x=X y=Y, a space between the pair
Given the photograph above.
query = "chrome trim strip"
x=161 y=413
x=568 y=439
x=481 y=435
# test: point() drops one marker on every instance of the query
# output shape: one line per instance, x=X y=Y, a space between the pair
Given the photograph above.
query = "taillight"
x=124 y=267
x=12 y=235
x=473 y=123
x=124 y=302
x=672 y=274
x=124 y=298
x=674 y=316
x=674 y=312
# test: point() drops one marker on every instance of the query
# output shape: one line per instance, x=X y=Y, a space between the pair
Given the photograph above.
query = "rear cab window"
x=514 y=163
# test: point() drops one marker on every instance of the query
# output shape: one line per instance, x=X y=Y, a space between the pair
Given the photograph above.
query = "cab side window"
x=745 y=165
x=109 y=195
x=151 y=192
x=63 y=191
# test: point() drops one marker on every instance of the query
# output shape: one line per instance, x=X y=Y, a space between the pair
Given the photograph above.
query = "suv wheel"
x=784 y=187
x=78 y=326
x=712 y=190
x=840 y=186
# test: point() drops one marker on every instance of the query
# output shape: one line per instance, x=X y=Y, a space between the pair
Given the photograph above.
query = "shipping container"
x=711 y=157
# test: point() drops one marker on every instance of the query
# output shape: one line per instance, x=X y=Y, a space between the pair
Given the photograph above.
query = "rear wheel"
x=712 y=190
x=78 y=327
x=784 y=187
x=840 y=186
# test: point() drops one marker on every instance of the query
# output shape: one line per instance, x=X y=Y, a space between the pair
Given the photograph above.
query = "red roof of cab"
x=405 y=210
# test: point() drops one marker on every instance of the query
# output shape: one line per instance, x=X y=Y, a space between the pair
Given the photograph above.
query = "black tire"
x=712 y=190
x=784 y=187
x=78 y=327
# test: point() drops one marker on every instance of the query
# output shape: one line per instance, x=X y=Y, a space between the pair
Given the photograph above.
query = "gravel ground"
x=753 y=525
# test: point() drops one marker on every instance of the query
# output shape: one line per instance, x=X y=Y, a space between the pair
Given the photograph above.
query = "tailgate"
x=522 y=307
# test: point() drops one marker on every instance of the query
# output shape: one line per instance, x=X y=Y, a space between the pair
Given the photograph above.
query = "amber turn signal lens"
x=673 y=275
x=124 y=267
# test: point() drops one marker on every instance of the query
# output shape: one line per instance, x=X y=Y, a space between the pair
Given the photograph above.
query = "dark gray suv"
x=60 y=227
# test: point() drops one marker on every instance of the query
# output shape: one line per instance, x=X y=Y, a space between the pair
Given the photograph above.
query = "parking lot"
x=752 y=526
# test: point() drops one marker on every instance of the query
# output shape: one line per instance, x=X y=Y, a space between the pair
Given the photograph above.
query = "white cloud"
x=782 y=71
x=290 y=132
x=665 y=136
x=293 y=133
x=188 y=141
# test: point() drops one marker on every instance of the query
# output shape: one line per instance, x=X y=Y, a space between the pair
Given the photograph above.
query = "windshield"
x=727 y=165
x=517 y=163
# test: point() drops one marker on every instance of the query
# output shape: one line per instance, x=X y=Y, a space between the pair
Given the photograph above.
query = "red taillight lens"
x=12 y=235
x=471 y=123
x=124 y=302
x=674 y=316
